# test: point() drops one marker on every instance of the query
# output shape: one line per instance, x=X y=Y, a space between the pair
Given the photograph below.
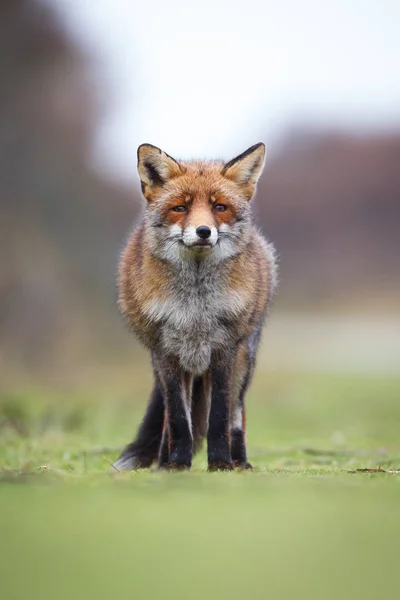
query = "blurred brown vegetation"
x=329 y=201
x=61 y=223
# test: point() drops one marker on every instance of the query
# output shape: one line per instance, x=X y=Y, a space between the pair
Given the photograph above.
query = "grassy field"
x=307 y=523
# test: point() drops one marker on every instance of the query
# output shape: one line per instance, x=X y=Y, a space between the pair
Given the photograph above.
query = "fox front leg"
x=238 y=439
x=218 y=436
x=243 y=371
x=177 y=445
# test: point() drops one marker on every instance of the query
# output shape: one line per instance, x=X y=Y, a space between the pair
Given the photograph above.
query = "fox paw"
x=242 y=465
x=220 y=465
x=175 y=466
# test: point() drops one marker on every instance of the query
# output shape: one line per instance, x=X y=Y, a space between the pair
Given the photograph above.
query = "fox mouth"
x=202 y=245
x=198 y=245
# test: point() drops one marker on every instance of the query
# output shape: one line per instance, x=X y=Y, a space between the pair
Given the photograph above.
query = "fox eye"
x=220 y=207
x=179 y=208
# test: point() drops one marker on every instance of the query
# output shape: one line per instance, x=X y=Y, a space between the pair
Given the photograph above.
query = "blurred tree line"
x=329 y=201
x=62 y=223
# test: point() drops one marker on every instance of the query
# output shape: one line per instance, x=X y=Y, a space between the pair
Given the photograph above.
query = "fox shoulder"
x=254 y=272
x=265 y=257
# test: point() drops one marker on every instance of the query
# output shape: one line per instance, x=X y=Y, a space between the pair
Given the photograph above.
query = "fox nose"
x=203 y=232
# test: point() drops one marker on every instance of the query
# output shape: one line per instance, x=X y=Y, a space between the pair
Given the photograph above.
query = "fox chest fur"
x=196 y=315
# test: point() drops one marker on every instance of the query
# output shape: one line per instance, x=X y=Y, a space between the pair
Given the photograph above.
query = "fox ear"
x=246 y=168
x=155 y=168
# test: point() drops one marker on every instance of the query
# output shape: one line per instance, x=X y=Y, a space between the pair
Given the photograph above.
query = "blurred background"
x=82 y=84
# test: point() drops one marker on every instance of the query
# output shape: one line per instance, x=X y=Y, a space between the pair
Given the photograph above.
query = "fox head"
x=198 y=208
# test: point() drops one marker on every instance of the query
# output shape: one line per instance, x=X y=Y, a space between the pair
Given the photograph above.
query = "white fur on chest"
x=189 y=316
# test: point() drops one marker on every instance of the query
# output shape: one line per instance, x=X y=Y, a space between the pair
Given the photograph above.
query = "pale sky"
x=210 y=78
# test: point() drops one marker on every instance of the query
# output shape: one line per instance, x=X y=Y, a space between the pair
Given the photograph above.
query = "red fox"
x=195 y=283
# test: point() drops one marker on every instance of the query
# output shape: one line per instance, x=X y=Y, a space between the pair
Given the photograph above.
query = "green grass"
x=304 y=524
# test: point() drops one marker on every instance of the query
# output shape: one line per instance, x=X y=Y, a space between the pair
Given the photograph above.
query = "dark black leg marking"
x=238 y=430
x=238 y=449
x=143 y=451
x=200 y=399
x=180 y=437
x=219 y=455
x=238 y=446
